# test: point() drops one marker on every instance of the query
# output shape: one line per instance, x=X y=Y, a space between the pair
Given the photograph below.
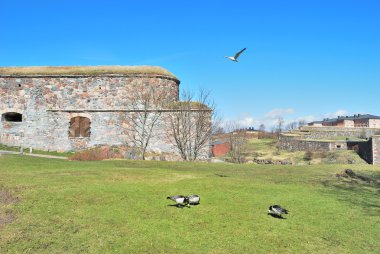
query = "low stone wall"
x=293 y=143
x=368 y=150
x=365 y=151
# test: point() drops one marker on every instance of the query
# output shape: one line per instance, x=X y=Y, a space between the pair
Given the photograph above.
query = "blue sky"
x=304 y=59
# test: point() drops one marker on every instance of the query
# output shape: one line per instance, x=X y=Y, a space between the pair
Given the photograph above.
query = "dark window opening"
x=11 y=117
x=338 y=146
x=79 y=127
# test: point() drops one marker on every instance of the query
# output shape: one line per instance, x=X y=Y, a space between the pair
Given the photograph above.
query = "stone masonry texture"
x=376 y=150
x=48 y=102
x=369 y=150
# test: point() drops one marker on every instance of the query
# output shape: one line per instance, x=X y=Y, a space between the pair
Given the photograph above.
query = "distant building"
x=355 y=121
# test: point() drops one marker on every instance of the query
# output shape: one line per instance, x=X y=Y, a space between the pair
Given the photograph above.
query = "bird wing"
x=174 y=198
x=279 y=209
x=238 y=53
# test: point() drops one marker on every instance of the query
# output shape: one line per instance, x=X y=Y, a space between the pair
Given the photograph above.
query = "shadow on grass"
x=357 y=192
x=276 y=216
x=221 y=175
x=179 y=206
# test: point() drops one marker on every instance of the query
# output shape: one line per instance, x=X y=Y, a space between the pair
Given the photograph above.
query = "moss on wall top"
x=85 y=70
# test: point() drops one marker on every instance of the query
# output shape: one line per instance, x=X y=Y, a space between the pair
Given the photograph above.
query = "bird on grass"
x=194 y=199
x=179 y=200
x=235 y=57
x=277 y=210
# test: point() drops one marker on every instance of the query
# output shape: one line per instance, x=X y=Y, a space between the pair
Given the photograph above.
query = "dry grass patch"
x=84 y=70
x=6 y=199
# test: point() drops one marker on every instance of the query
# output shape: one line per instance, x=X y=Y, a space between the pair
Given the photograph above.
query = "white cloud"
x=308 y=118
x=340 y=112
x=279 y=112
x=270 y=119
x=244 y=120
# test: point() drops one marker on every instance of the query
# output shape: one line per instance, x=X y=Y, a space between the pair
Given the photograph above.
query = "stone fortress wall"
x=376 y=150
x=48 y=102
x=322 y=139
x=296 y=143
x=309 y=132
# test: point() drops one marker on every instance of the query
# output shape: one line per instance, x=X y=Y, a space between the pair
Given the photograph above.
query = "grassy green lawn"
x=121 y=207
x=266 y=149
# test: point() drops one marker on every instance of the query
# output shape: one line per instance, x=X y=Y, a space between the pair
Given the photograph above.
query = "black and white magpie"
x=277 y=210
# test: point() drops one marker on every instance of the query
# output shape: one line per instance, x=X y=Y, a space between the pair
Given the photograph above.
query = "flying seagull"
x=277 y=210
x=234 y=58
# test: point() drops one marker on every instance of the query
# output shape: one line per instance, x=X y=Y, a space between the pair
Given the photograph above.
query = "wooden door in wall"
x=79 y=127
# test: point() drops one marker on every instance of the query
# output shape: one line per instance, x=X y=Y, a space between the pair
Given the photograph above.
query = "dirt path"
x=35 y=155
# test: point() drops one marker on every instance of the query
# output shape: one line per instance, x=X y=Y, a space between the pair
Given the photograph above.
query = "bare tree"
x=280 y=125
x=261 y=133
x=145 y=111
x=218 y=130
x=237 y=138
x=302 y=123
x=191 y=123
x=291 y=126
x=262 y=127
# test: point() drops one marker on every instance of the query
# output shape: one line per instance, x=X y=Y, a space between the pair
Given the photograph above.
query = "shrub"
x=236 y=159
x=100 y=153
x=308 y=156
x=94 y=154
